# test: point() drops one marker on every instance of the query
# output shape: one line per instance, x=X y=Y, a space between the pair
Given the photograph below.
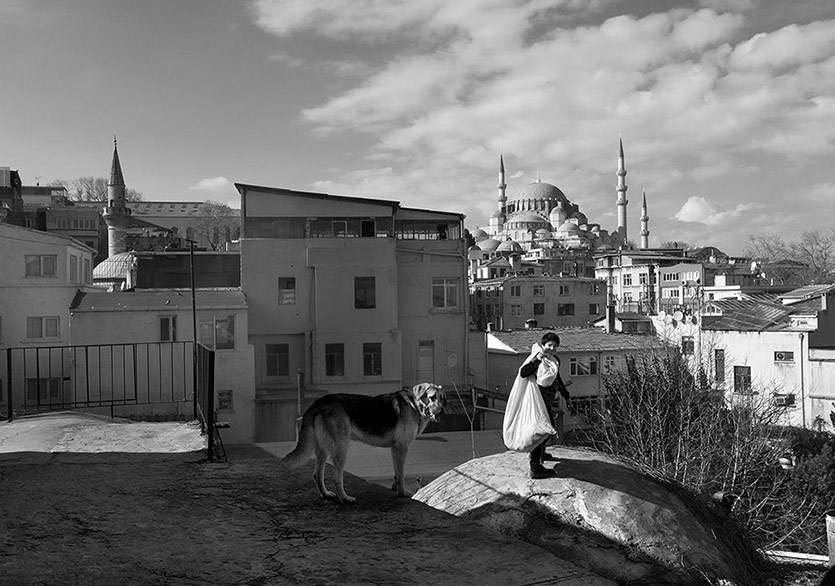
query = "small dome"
x=526 y=217
x=581 y=218
x=488 y=245
x=114 y=268
x=509 y=246
x=569 y=227
x=478 y=235
x=543 y=233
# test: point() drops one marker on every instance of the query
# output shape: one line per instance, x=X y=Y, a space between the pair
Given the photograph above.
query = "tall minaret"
x=116 y=212
x=502 y=185
x=644 y=222
x=622 y=193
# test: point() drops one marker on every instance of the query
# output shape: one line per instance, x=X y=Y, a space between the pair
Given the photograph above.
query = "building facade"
x=510 y=302
x=348 y=294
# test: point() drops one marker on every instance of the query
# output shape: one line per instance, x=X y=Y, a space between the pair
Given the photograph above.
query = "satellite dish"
x=678 y=316
x=452 y=360
x=668 y=319
x=662 y=314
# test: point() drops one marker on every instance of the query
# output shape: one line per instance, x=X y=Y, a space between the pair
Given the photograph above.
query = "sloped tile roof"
x=577 y=340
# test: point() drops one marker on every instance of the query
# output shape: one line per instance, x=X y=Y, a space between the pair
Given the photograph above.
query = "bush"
x=668 y=422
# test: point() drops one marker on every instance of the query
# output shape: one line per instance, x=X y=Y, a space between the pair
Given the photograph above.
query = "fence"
x=98 y=376
x=205 y=400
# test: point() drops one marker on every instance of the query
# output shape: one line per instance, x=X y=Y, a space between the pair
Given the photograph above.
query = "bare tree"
x=89 y=188
x=808 y=259
x=217 y=223
x=680 y=244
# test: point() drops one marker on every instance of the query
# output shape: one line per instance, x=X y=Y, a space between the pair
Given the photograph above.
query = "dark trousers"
x=539 y=451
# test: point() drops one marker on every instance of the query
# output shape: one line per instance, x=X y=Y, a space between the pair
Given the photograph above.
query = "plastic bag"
x=526 y=423
x=547 y=372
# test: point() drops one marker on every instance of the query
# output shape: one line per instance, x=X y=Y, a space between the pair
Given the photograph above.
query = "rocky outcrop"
x=597 y=513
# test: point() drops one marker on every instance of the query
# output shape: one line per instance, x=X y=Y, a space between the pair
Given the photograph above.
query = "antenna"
x=38 y=179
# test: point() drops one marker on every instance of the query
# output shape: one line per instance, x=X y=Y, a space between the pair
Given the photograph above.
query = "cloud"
x=213 y=184
x=710 y=212
x=698 y=95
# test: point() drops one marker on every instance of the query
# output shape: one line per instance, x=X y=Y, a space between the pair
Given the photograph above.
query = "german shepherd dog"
x=391 y=421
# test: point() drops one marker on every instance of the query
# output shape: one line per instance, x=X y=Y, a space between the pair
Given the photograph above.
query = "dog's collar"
x=419 y=406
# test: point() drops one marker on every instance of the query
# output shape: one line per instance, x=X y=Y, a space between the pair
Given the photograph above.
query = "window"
x=594 y=308
x=583 y=366
x=168 y=328
x=784 y=356
x=539 y=309
x=742 y=380
x=88 y=275
x=719 y=364
x=372 y=359
x=368 y=229
x=365 y=296
x=667 y=277
x=218 y=333
x=73 y=269
x=614 y=280
x=445 y=293
x=515 y=310
x=627 y=279
x=340 y=228
x=42 y=327
x=41 y=265
x=688 y=346
x=286 y=290
x=539 y=290
x=277 y=360
x=595 y=289
x=334 y=359
x=610 y=363
x=515 y=290
x=642 y=278
x=565 y=309
x=564 y=290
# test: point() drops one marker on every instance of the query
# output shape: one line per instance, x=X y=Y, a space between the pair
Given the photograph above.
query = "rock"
x=597 y=513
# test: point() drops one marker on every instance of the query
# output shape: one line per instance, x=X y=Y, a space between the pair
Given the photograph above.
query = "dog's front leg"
x=398 y=458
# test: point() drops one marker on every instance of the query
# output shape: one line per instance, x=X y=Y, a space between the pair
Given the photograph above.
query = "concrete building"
x=157 y=326
x=40 y=274
x=352 y=294
x=510 y=302
x=585 y=354
x=779 y=351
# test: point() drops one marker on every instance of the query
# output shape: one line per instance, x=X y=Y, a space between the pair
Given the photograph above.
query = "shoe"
x=538 y=472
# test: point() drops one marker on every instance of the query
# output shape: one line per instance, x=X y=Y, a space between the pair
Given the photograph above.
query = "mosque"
x=541 y=222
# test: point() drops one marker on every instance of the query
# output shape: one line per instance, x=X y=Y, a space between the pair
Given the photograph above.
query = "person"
x=544 y=354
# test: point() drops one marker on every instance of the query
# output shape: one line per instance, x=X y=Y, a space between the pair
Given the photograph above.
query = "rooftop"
x=156 y=299
x=571 y=340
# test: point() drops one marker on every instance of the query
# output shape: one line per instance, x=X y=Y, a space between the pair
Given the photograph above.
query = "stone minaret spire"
x=621 y=201
x=644 y=222
x=502 y=185
x=116 y=212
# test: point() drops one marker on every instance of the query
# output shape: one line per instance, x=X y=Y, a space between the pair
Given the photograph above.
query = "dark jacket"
x=549 y=393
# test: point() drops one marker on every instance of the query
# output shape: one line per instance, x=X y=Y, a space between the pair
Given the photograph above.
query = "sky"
x=726 y=108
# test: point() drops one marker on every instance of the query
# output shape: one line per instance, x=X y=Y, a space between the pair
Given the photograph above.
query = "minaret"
x=502 y=185
x=116 y=212
x=644 y=222
x=622 y=193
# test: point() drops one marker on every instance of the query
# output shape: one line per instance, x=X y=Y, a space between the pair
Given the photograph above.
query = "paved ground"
x=71 y=513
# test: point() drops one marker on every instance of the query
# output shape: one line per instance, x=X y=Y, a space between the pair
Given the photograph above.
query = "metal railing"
x=97 y=376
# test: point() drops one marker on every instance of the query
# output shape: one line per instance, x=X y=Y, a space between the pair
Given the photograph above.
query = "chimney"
x=530 y=323
x=610 y=318
x=515 y=263
x=489 y=326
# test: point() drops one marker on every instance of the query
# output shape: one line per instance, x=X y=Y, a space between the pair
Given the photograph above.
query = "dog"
x=392 y=420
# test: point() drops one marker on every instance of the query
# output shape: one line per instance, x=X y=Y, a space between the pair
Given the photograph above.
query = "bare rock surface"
x=598 y=513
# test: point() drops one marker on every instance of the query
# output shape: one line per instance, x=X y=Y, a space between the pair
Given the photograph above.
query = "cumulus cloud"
x=694 y=92
x=710 y=212
x=213 y=184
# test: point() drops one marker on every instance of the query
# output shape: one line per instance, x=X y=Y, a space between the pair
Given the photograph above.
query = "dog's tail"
x=304 y=448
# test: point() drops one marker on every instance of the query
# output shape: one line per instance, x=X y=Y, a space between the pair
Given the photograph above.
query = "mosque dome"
x=581 y=217
x=539 y=190
x=497 y=214
x=569 y=228
x=543 y=233
x=478 y=235
x=488 y=245
x=526 y=217
x=509 y=246
x=113 y=268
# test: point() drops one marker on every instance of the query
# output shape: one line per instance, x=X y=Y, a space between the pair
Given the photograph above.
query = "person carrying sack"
x=526 y=432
